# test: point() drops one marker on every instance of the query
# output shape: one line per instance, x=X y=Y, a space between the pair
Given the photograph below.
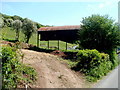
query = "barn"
x=63 y=33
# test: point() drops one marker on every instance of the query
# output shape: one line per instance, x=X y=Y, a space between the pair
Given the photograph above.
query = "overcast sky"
x=58 y=13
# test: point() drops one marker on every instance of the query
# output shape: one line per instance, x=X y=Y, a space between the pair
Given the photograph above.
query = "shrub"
x=12 y=69
x=113 y=58
x=93 y=64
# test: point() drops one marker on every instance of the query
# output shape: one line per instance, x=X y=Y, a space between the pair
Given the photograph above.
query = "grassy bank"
x=9 y=35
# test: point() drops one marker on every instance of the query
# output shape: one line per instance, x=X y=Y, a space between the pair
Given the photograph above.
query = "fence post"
x=66 y=45
x=48 y=44
x=58 y=44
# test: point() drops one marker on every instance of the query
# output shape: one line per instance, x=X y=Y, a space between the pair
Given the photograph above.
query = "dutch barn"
x=63 y=33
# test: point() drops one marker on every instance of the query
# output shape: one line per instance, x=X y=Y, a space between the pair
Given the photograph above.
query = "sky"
x=59 y=13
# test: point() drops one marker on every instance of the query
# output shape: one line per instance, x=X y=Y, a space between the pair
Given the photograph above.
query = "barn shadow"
x=14 y=41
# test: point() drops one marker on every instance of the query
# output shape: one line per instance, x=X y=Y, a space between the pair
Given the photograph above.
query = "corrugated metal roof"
x=54 y=28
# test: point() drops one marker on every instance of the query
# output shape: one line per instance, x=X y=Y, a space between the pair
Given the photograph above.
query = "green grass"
x=8 y=33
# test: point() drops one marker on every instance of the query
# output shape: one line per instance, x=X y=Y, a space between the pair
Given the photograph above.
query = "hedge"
x=93 y=64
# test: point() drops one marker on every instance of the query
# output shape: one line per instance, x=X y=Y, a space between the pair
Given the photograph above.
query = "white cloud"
x=105 y=4
x=108 y=3
x=101 y=5
x=104 y=7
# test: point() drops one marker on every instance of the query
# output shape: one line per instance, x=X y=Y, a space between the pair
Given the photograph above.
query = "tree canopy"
x=17 y=24
x=7 y=20
x=28 y=28
x=99 y=32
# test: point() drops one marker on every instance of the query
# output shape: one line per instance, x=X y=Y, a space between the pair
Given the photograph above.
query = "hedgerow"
x=93 y=64
x=14 y=72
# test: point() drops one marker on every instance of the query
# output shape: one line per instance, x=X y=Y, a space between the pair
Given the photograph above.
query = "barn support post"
x=79 y=46
x=66 y=45
x=38 y=39
x=58 y=44
x=48 y=44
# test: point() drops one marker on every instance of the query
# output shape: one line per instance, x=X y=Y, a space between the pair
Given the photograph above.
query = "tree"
x=28 y=29
x=9 y=22
x=99 y=32
x=15 y=17
x=1 y=21
x=17 y=24
x=38 y=25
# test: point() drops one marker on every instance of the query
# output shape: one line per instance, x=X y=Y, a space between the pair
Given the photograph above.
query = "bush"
x=93 y=64
x=113 y=58
x=13 y=70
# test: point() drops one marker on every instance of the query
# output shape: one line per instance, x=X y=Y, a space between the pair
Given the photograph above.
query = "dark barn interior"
x=63 y=33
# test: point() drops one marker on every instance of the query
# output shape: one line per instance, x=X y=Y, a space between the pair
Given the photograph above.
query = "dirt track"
x=52 y=73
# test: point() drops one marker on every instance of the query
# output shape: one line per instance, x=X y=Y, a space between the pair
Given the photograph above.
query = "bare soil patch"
x=52 y=72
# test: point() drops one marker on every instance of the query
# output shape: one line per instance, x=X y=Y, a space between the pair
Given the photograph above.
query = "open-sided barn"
x=63 y=33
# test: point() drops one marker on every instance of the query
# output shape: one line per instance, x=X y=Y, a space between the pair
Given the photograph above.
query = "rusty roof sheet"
x=54 y=28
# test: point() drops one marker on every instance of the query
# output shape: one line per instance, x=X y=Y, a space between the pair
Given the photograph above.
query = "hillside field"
x=8 y=33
